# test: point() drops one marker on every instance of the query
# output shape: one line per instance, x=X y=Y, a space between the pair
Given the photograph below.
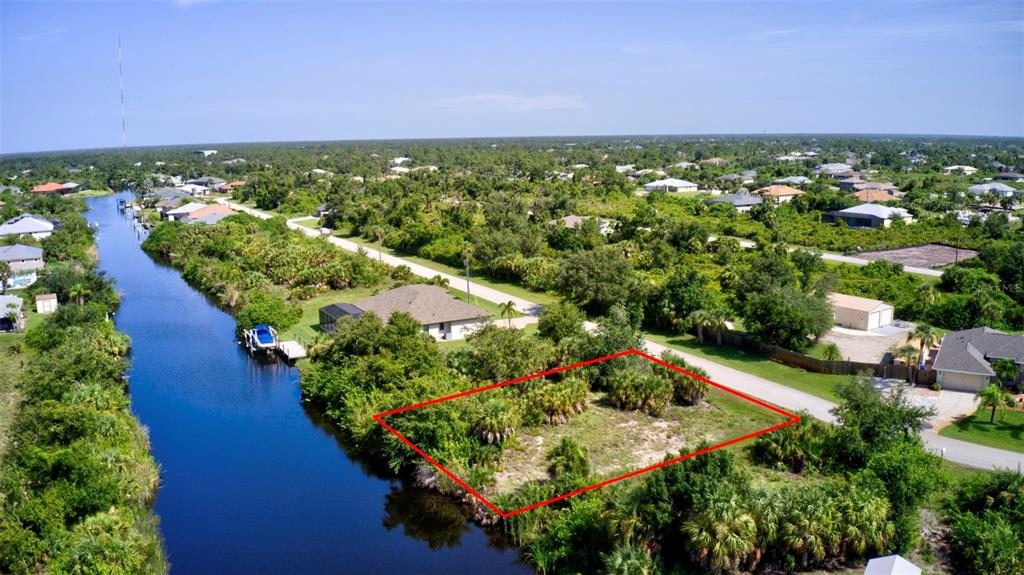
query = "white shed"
x=860 y=312
x=891 y=565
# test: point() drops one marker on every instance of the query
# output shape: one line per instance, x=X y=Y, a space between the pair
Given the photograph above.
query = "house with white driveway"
x=964 y=360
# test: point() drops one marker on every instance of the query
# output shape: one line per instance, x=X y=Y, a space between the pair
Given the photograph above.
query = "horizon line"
x=869 y=135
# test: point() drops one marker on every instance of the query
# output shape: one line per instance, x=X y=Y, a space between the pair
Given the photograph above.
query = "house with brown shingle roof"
x=443 y=317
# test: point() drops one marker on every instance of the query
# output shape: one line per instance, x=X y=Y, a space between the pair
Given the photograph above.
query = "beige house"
x=860 y=312
x=778 y=193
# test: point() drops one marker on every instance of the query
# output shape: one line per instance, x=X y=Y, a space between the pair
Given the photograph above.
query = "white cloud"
x=513 y=103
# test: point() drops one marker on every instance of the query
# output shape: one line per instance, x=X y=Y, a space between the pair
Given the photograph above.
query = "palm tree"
x=568 y=457
x=497 y=421
x=906 y=354
x=79 y=292
x=712 y=318
x=723 y=536
x=1006 y=369
x=5 y=274
x=993 y=395
x=508 y=309
x=926 y=336
x=928 y=296
x=630 y=559
x=831 y=352
x=439 y=281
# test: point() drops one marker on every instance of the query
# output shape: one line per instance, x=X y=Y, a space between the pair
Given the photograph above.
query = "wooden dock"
x=291 y=350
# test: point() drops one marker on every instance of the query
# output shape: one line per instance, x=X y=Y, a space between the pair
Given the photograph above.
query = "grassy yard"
x=620 y=441
x=817 y=384
x=12 y=361
x=311 y=224
x=1007 y=432
x=308 y=328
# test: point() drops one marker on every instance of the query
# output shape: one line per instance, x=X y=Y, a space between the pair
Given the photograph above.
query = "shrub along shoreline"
x=77 y=481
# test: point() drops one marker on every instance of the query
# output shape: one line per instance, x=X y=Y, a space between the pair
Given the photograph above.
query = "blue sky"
x=206 y=72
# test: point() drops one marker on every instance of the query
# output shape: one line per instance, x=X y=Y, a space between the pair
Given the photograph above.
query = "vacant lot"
x=926 y=256
x=622 y=441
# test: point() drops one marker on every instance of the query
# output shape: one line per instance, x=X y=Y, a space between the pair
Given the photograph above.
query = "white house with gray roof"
x=997 y=188
x=964 y=360
x=869 y=216
x=742 y=202
x=27 y=225
x=670 y=185
x=442 y=316
x=25 y=263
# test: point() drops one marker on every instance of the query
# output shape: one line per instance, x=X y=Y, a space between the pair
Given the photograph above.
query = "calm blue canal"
x=252 y=482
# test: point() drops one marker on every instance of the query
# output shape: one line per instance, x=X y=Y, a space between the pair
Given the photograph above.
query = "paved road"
x=962 y=452
x=847 y=259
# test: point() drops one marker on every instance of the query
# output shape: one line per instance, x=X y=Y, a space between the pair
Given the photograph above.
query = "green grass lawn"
x=308 y=328
x=1007 y=432
x=13 y=360
x=311 y=224
x=817 y=384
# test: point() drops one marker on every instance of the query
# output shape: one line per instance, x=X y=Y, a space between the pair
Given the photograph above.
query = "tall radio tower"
x=120 y=81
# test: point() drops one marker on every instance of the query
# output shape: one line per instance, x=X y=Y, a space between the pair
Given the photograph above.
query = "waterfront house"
x=670 y=185
x=180 y=212
x=27 y=225
x=330 y=314
x=194 y=190
x=742 y=202
x=210 y=214
x=47 y=188
x=964 y=360
x=12 y=313
x=25 y=263
x=442 y=316
x=46 y=303
x=869 y=216
x=860 y=312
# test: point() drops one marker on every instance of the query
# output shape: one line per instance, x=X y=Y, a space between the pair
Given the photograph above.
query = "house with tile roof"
x=964 y=360
x=209 y=214
x=874 y=196
x=779 y=194
x=442 y=316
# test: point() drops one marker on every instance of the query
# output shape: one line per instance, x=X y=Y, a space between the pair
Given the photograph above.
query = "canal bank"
x=252 y=483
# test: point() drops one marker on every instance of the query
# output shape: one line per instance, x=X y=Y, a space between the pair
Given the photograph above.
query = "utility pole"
x=465 y=260
x=120 y=82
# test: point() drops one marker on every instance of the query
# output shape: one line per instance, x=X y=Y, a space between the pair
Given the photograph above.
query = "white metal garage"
x=860 y=312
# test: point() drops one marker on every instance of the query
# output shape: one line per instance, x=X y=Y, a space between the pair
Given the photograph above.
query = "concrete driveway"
x=866 y=346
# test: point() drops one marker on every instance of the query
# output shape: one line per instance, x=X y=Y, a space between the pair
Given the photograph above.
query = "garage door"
x=873 y=319
x=886 y=318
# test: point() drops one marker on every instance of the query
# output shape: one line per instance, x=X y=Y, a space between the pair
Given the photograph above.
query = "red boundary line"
x=379 y=418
